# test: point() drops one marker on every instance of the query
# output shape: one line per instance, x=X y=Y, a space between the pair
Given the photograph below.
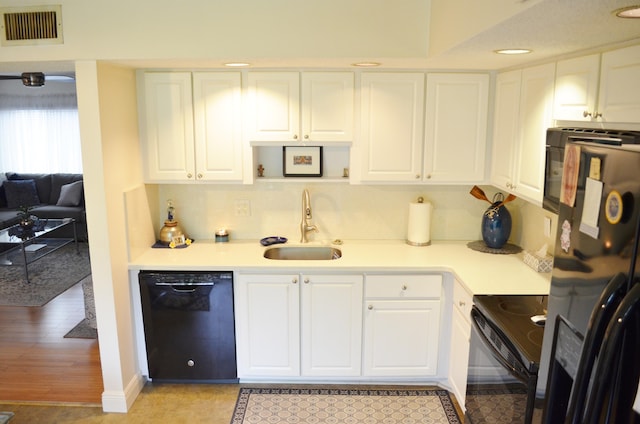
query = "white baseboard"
x=121 y=401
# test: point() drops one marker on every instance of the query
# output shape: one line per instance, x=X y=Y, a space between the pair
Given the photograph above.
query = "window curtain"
x=40 y=133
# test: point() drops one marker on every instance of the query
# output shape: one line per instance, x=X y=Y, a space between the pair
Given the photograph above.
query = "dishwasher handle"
x=186 y=287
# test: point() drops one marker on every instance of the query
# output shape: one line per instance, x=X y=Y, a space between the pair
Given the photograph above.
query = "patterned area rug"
x=324 y=406
x=82 y=331
x=50 y=276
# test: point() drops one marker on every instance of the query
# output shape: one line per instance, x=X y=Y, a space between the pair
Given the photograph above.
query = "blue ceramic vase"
x=496 y=225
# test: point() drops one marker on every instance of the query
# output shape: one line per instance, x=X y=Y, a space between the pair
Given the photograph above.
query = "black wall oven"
x=504 y=358
x=557 y=138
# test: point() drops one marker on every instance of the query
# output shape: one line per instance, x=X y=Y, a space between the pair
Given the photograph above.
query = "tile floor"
x=160 y=403
x=157 y=403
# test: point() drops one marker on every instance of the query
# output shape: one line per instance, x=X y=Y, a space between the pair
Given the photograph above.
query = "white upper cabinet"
x=536 y=105
x=191 y=126
x=391 y=133
x=599 y=88
x=505 y=128
x=218 y=127
x=524 y=102
x=294 y=108
x=619 y=96
x=167 y=127
x=576 y=89
x=456 y=128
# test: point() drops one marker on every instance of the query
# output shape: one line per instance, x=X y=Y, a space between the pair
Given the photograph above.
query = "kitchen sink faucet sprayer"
x=305 y=224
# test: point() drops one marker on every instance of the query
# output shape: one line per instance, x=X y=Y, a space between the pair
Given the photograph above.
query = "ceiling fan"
x=36 y=79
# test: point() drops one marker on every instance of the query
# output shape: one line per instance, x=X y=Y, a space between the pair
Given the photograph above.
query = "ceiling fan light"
x=32 y=79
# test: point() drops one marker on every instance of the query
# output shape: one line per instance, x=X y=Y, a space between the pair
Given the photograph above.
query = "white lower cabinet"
x=331 y=325
x=285 y=320
x=267 y=316
x=460 y=338
x=309 y=326
x=401 y=325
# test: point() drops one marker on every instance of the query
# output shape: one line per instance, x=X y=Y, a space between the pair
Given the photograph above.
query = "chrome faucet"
x=305 y=224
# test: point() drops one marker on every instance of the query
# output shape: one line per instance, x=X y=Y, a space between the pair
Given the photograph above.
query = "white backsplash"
x=341 y=211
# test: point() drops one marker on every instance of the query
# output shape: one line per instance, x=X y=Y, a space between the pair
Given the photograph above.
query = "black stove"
x=506 y=320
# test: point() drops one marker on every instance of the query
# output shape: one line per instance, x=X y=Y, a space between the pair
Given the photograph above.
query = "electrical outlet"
x=243 y=207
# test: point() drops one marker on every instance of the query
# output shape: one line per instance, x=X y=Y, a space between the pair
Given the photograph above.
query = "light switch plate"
x=547 y=227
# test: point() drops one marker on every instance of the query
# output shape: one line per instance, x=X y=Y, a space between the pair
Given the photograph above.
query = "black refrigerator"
x=597 y=239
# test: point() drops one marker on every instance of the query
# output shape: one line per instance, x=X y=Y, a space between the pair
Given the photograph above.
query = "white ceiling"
x=551 y=28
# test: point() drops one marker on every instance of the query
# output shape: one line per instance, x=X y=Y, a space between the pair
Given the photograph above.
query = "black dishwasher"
x=189 y=325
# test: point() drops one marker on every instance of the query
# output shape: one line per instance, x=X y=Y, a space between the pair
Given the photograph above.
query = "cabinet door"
x=327 y=106
x=401 y=337
x=391 y=126
x=167 y=127
x=536 y=104
x=505 y=128
x=218 y=144
x=460 y=339
x=331 y=325
x=273 y=106
x=576 y=88
x=267 y=325
x=456 y=128
x=619 y=99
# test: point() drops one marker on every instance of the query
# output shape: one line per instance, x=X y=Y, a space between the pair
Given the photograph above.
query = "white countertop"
x=481 y=273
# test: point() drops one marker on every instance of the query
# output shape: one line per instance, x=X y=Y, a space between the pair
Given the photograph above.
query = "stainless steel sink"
x=303 y=253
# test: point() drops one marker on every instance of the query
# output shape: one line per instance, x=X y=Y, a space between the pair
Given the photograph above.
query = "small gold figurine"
x=260 y=170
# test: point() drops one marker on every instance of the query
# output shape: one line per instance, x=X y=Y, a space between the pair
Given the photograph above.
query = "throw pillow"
x=21 y=193
x=70 y=194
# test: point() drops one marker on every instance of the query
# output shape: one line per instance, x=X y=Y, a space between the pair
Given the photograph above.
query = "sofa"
x=51 y=196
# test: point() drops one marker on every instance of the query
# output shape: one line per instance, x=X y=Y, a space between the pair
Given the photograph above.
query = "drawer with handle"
x=403 y=286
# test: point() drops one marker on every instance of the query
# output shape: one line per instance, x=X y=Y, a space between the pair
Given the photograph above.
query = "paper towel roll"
x=419 y=226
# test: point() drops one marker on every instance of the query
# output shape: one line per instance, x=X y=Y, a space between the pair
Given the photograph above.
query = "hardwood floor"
x=37 y=364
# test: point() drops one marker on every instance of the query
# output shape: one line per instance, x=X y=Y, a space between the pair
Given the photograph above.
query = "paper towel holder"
x=423 y=241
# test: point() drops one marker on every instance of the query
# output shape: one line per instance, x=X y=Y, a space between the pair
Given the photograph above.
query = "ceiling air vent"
x=30 y=26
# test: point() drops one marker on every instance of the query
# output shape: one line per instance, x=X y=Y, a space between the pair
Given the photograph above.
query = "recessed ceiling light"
x=366 y=64
x=512 y=51
x=237 y=64
x=628 y=12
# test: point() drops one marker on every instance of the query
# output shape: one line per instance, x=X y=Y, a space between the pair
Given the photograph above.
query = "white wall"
x=363 y=212
x=111 y=156
x=210 y=30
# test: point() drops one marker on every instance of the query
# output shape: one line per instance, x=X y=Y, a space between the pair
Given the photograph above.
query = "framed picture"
x=302 y=161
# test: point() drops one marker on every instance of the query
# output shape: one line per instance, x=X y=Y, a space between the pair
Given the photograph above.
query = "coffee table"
x=20 y=246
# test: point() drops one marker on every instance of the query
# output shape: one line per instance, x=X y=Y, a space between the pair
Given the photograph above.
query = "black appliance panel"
x=502 y=329
x=189 y=325
x=557 y=138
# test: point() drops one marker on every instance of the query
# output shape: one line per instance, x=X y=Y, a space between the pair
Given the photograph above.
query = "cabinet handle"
x=598 y=115
x=306 y=136
x=199 y=176
x=306 y=281
x=417 y=176
x=404 y=287
x=370 y=307
x=461 y=303
x=189 y=175
x=586 y=113
x=428 y=176
x=295 y=136
x=294 y=281
x=190 y=363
